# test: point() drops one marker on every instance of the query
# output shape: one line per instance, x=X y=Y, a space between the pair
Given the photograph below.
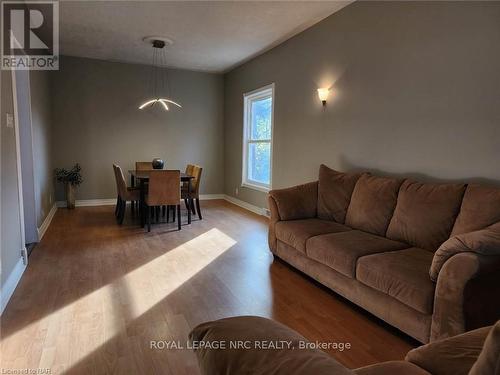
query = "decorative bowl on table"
x=158 y=163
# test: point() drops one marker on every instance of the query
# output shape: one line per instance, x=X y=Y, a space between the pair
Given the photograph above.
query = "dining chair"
x=189 y=169
x=193 y=196
x=143 y=165
x=124 y=194
x=185 y=185
x=164 y=190
x=118 y=201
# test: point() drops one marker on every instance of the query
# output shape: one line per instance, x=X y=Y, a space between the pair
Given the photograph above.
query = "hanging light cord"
x=159 y=83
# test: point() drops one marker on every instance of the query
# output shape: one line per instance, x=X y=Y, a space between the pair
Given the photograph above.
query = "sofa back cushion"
x=425 y=213
x=372 y=204
x=334 y=193
x=480 y=208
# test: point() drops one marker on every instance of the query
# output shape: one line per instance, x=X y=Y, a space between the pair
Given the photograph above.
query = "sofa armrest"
x=466 y=295
x=455 y=355
x=485 y=242
x=275 y=217
x=251 y=345
x=297 y=202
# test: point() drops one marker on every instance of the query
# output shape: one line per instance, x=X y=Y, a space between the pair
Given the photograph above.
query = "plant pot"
x=70 y=196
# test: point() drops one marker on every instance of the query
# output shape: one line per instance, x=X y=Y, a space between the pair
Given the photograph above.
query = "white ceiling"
x=208 y=35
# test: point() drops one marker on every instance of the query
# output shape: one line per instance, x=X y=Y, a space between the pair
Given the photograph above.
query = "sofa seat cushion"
x=372 y=204
x=425 y=213
x=341 y=251
x=296 y=232
x=402 y=274
x=334 y=193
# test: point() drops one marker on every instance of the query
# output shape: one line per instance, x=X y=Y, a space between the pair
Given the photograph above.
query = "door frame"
x=24 y=253
x=27 y=153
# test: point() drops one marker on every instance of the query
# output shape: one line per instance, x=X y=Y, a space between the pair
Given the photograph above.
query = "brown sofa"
x=272 y=348
x=425 y=258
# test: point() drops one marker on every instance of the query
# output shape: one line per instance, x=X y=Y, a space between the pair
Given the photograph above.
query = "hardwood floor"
x=95 y=294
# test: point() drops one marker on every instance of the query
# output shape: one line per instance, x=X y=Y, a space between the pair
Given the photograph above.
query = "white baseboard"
x=89 y=202
x=109 y=202
x=10 y=284
x=207 y=197
x=246 y=206
x=112 y=201
x=45 y=225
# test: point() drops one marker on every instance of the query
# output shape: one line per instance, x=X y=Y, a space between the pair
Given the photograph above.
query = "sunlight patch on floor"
x=74 y=331
x=153 y=281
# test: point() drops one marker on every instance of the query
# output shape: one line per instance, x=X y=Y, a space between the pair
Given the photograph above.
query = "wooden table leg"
x=132 y=184
x=141 y=201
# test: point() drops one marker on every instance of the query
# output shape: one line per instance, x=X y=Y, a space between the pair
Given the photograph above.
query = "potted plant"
x=71 y=179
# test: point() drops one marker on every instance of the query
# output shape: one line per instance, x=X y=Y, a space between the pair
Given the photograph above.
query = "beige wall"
x=11 y=240
x=97 y=123
x=41 y=124
x=416 y=91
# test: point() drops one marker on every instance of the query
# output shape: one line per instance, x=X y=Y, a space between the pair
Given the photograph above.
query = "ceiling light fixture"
x=159 y=74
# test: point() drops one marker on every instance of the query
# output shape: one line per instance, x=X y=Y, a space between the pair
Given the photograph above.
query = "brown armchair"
x=474 y=352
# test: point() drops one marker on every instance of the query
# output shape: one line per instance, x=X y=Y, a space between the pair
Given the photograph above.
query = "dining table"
x=142 y=176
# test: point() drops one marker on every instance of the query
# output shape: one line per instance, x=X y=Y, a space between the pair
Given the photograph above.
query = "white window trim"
x=247 y=97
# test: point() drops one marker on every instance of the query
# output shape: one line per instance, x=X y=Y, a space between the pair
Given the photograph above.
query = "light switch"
x=10 y=120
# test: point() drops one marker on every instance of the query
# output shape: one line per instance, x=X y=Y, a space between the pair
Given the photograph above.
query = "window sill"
x=263 y=189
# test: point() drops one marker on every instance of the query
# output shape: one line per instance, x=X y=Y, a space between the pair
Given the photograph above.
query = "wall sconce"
x=323 y=95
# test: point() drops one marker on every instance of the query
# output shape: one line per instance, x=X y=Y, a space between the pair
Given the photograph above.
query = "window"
x=257 y=138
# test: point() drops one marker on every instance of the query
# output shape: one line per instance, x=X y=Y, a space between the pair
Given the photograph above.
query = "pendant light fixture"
x=159 y=75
